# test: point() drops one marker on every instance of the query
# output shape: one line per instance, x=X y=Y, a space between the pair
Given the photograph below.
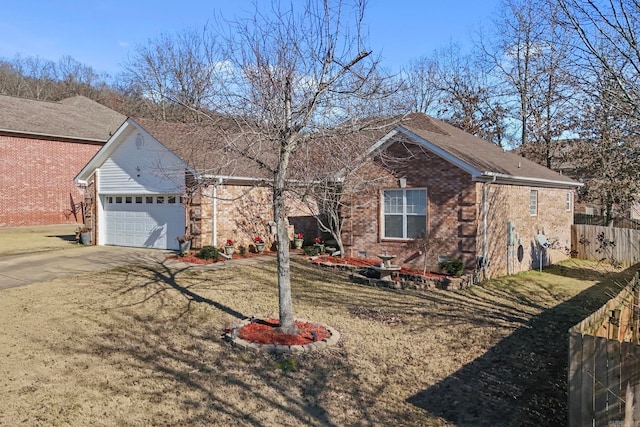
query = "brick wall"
x=511 y=203
x=454 y=216
x=244 y=212
x=36 y=177
x=452 y=208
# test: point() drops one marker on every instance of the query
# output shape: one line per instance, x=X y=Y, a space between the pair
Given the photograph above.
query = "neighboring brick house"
x=42 y=146
x=156 y=181
x=463 y=193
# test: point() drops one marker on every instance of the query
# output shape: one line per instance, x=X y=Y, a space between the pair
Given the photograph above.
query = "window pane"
x=109 y=199
x=417 y=202
x=171 y=199
x=393 y=201
x=393 y=226
x=533 y=202
x=128 y=199
x=118 y=199
x=160 y=199
x=138 y=199
x=149 y=199
x=416 y=224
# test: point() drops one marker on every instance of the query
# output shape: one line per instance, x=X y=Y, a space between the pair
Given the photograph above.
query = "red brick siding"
x=451 y=208
x=36 y=177
x=511 y=203
x=454 y=215
x=243 y=213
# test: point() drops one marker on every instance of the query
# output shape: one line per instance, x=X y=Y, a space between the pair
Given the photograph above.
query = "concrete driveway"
x=20 y=270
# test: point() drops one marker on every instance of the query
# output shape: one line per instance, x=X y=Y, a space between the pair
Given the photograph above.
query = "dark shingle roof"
x=72 y=118
x=209 y=148
x=481 y=155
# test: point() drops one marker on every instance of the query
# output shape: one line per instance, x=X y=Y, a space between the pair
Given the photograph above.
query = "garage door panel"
x=149 y=225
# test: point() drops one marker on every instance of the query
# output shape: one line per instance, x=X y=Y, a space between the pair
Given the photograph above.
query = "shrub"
x=311 y=250
x=243 y=250
x=452 y=267
x=209 y=252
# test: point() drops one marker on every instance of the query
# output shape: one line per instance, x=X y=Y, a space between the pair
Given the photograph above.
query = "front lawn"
x=22 y=240
x=141 y=346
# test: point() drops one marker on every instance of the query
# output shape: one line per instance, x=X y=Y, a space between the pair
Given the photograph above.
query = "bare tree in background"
x=37 y=78
x=292 y=76
x=608 y=34
x=421 y=86
x=606 y=156
x=453 y=87
x=174 y=74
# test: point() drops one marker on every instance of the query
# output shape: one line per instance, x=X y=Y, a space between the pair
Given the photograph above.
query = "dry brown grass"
x=141 y=346
x=21 y=240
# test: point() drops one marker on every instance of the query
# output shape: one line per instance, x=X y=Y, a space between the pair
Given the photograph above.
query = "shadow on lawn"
x=65 y=237
x=521 y=381
x=182 y=362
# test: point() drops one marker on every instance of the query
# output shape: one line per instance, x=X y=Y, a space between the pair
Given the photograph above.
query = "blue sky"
x=101 y=33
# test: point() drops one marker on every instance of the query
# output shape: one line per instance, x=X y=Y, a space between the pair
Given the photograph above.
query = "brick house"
x=153 y=182
x=42 y=146
x=156 y=181
x=472 y=200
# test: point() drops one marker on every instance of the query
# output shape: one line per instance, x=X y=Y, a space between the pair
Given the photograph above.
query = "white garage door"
x=144 y=221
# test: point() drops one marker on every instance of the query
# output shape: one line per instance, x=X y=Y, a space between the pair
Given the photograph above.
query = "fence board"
x=628 y=369
x=588 y=380
x=575 y=379
x=600 y=382
x=626 y=248
x=613 y=398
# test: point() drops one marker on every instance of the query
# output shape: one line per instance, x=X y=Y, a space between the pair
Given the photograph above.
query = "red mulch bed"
x=192 y=259
x=364 y=262
x=264 y=332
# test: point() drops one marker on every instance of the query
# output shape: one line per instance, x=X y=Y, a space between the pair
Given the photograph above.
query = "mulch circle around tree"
x=262 y=334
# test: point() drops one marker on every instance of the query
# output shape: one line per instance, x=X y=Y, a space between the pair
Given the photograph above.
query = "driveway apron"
x=20 y=270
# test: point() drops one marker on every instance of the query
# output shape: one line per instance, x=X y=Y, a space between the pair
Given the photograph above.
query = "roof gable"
x=122 y=134
x=482 y=159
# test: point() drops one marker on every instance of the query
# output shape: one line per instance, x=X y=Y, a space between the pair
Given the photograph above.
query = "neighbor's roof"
x=482 y=159
x=75 y=118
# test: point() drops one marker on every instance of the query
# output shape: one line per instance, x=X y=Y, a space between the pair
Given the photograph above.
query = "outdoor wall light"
x=402 y=182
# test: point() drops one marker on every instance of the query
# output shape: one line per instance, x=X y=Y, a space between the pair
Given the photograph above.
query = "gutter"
x=501 y=178
x=49 y=136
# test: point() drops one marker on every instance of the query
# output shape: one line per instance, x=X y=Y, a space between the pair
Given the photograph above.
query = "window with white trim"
x=533 y=202
x=404 y=212
x=569 y=202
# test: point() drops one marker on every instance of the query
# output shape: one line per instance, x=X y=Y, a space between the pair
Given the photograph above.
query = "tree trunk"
x=287 y=323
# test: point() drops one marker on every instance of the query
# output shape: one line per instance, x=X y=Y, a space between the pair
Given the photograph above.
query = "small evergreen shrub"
x=243 y=250
x=452 y=266
x=311 y=250
x=209 y=252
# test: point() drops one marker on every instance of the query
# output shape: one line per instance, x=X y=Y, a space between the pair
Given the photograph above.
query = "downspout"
x=214 y=215
x=484 y=226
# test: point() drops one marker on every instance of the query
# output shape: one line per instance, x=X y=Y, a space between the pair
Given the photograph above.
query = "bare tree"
x=421 y=86
x=608 y=42
x=175 y=73
x=291 y=76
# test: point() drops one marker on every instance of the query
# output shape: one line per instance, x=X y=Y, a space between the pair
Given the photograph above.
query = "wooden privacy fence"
x=595 y=242
x=604 y=364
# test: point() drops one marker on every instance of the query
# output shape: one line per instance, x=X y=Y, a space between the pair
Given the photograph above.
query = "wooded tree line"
x=558 y=79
